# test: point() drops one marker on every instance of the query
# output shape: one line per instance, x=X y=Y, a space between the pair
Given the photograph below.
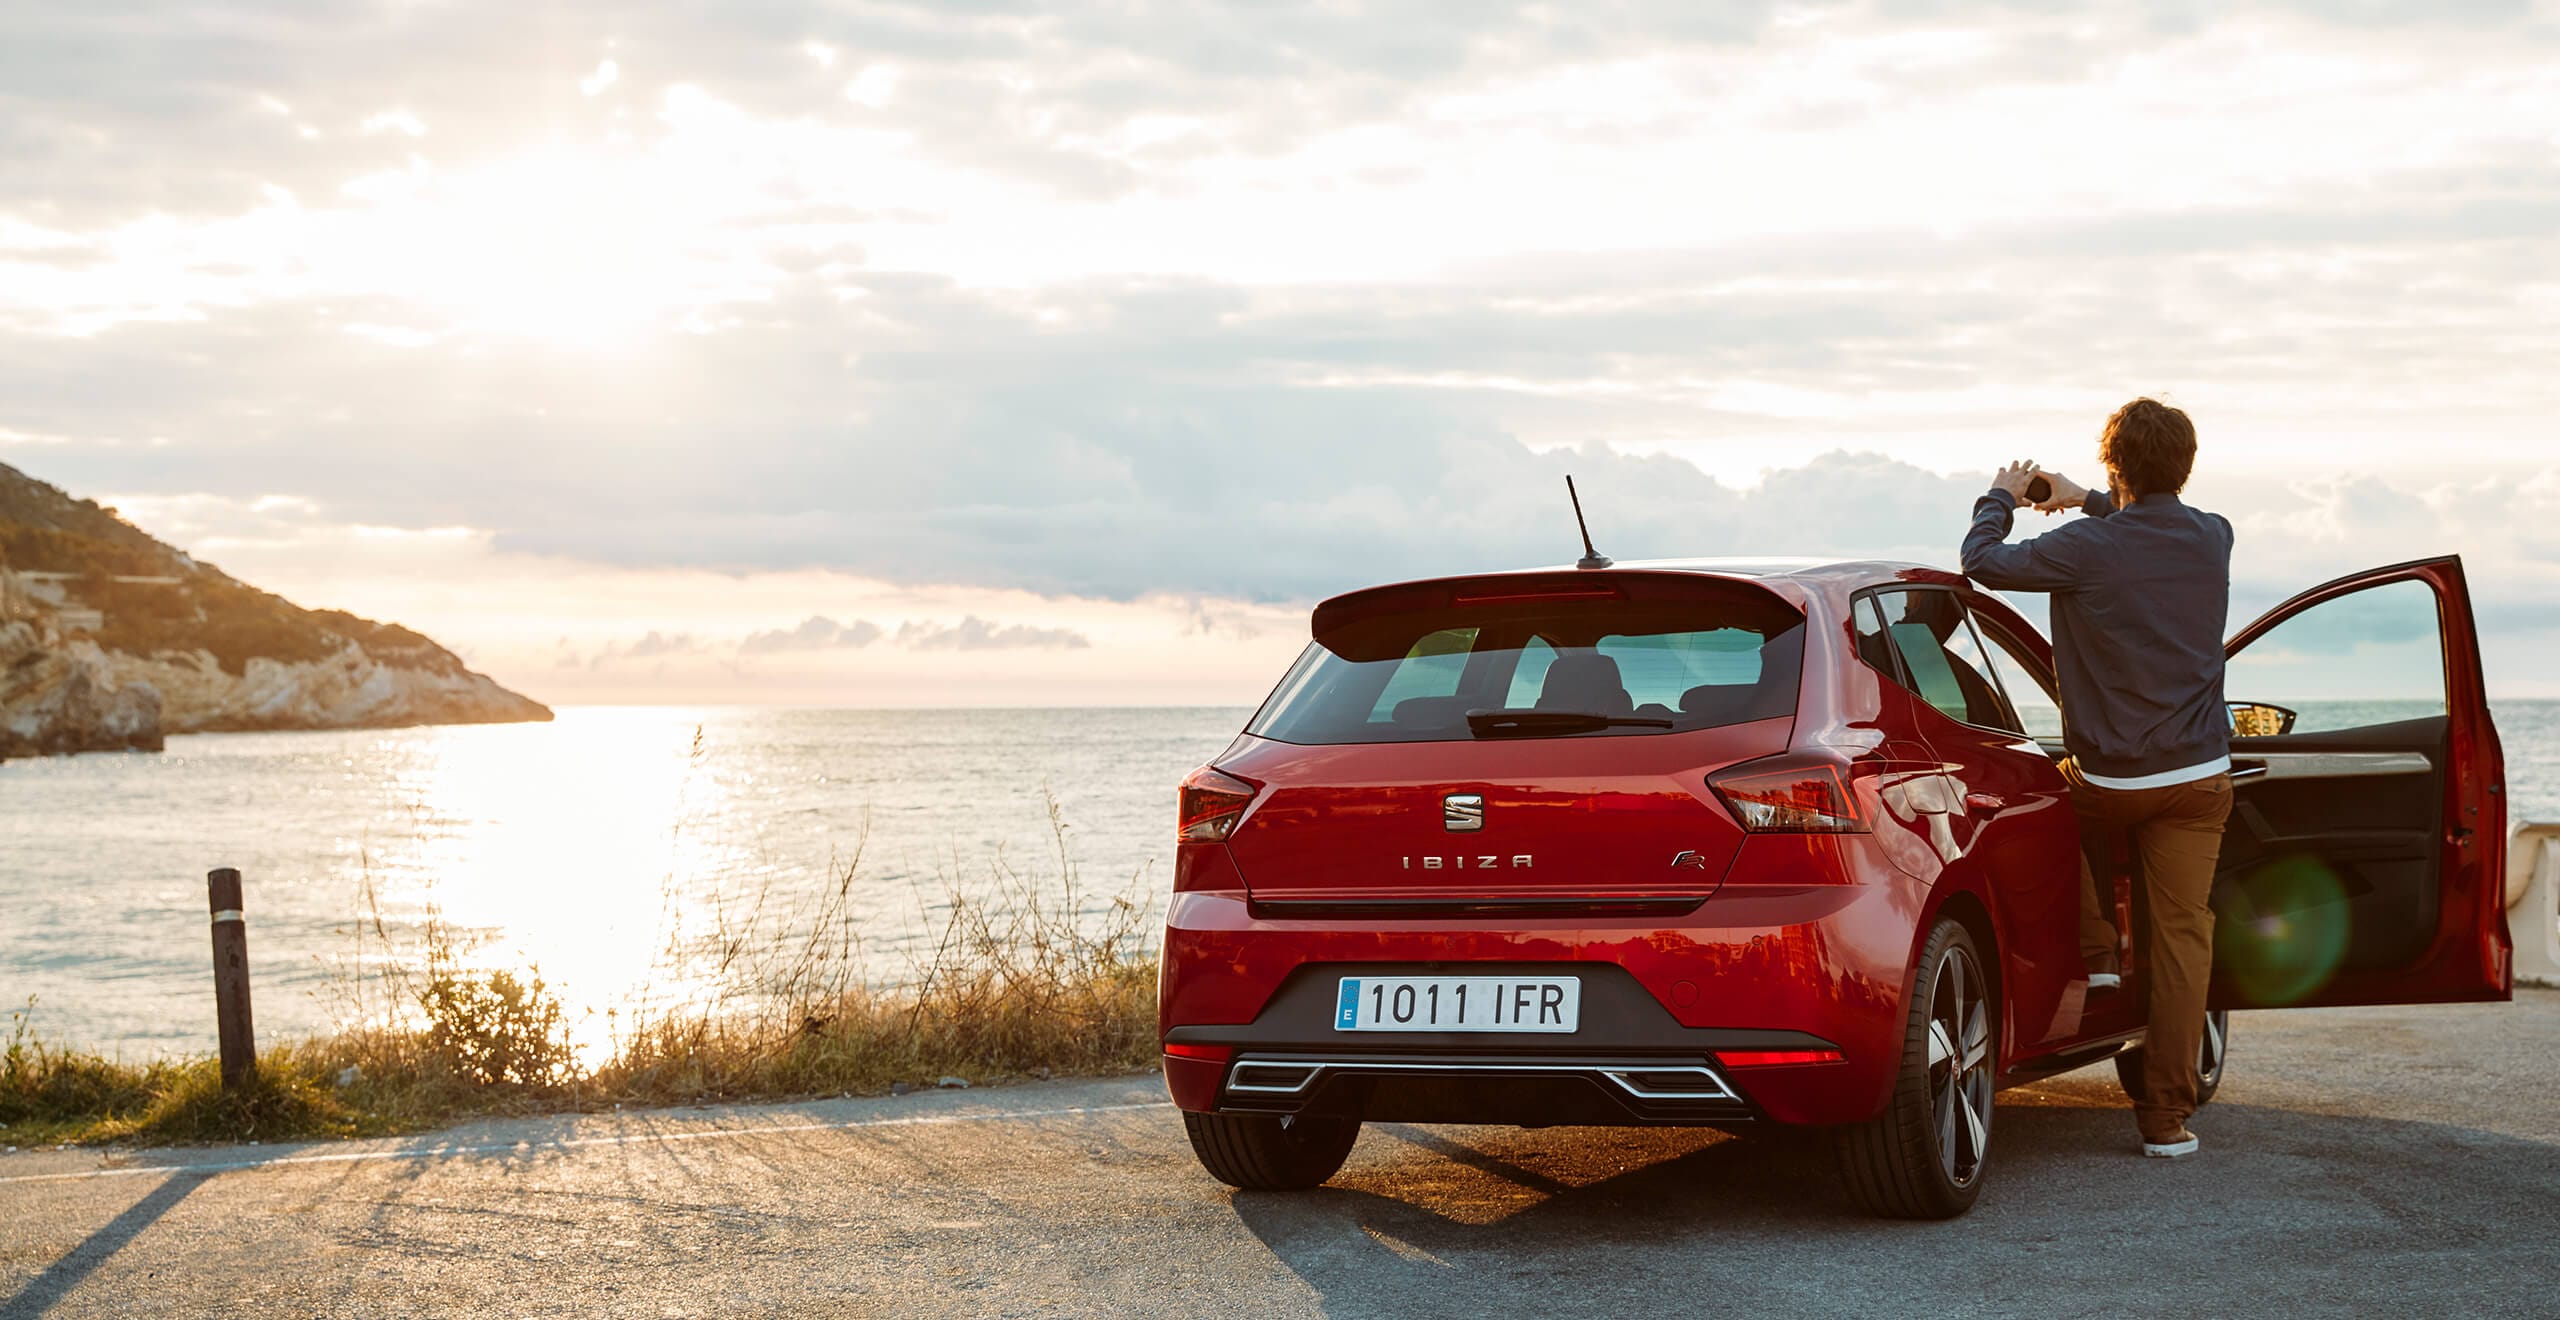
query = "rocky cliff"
x=110 y=639
x=57 y=698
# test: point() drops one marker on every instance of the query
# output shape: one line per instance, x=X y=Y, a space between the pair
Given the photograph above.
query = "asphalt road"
x=2358 y=1161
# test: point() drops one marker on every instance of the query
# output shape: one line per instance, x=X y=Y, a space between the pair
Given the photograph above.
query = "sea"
x=590 y=846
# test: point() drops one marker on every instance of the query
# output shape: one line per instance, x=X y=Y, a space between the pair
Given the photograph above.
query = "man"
x=2140 y=591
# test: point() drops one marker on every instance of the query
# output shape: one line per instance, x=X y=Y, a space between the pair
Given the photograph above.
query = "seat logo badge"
x=1687 y=859
x=1463 y=813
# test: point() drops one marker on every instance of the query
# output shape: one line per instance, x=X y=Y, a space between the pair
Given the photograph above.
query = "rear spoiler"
x=1561 y=586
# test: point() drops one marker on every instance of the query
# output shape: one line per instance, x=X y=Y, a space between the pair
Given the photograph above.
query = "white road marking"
x=620 y=1139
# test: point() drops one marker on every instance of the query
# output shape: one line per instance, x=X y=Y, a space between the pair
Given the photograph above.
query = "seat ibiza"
x=1739 y=844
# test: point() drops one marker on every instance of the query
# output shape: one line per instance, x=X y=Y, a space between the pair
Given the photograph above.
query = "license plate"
x=1458 y=1003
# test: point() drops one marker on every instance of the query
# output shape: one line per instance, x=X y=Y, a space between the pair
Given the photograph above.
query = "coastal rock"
x=56 y=699
x=349 y=689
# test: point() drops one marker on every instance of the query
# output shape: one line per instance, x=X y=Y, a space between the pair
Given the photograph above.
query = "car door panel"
x=2017 y=830
x=2363 y=865
x=2012 y=820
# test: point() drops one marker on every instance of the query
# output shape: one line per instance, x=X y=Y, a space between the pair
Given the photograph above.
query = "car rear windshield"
x=1542 y=669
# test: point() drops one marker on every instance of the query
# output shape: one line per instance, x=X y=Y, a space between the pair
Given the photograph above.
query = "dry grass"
x=1024 y=978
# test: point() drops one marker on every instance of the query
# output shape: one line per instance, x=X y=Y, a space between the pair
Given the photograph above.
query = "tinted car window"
x=1432 y=668
x=2029 y=690
x=1661 y=668
x=1942 y=659
x=1416 y=677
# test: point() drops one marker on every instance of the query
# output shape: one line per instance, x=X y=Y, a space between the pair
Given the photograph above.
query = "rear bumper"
x=1755 y=968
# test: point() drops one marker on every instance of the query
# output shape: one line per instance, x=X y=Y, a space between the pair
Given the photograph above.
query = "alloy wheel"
x=1960 y=1066
x=2212 y=1049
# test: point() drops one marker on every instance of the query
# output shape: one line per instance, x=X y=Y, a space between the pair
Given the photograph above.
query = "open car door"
x=2364 y=859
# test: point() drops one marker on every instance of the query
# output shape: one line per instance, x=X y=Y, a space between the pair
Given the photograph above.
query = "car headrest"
x=1585 y=682
x=1719 y=701
x=1430 y=712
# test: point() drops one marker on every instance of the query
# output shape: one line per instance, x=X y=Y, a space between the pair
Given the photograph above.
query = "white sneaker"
x=2104 y=981
x=2183 y=1146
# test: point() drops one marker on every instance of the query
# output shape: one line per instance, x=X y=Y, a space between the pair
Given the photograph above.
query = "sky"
x=873 y=353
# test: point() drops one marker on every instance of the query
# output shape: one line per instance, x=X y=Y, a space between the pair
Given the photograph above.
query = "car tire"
x=1925 y=1155
x=1270 y=1153
x=2212 y=1054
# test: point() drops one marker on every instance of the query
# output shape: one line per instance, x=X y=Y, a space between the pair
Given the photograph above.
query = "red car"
x=1731 y=844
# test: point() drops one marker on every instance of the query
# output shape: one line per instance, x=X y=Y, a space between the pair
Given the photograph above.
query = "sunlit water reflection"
x=584 y=846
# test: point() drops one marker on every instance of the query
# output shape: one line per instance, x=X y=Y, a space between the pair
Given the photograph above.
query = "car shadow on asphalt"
x=1557 y=1221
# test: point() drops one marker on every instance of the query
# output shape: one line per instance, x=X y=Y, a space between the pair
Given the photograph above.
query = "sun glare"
x=568 y=245
x=595 y=245
x=579 y=865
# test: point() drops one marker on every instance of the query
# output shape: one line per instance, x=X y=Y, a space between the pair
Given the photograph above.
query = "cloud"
x=975 y=634
x=184 y=96
x=971 y=633
x=1245 y=444
x=1202 y=617
x=815 y=633
x=653 y=645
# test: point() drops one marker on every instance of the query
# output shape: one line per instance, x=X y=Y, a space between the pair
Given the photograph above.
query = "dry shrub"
x=1025 y=976
x=495 y=1030
x=426 y=1014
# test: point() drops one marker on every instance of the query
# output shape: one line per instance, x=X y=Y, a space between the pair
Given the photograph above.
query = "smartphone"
x=2038 y=491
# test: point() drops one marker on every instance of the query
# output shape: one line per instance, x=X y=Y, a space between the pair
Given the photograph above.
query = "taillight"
x=1790 y=795
x=1211 y=805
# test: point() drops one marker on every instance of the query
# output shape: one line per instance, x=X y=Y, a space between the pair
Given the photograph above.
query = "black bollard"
x=231 y=980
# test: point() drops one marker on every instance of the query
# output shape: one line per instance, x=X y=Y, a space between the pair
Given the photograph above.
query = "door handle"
x=1983 y=802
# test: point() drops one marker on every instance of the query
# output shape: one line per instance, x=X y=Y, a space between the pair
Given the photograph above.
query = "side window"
x=1431 y=669
x=2030 y=693
x=2373 y=657
x=1942 y=659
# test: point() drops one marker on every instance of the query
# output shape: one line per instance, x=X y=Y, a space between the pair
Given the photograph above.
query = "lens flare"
x=2283 y=932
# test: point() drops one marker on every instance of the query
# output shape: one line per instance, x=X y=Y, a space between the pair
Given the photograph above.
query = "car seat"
x=1586 y=682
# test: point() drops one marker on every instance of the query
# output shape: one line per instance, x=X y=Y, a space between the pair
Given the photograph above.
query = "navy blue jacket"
x=2140 y=598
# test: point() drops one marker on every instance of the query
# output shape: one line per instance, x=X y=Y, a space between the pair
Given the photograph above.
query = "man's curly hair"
x=2148 y=446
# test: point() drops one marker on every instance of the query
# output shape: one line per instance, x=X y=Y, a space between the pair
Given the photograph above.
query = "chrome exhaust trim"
x=1307 y=1073
x=1715 y=1089
x=1638 y=1080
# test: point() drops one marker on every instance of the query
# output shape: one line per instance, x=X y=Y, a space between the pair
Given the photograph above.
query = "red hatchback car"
x=1733 y=843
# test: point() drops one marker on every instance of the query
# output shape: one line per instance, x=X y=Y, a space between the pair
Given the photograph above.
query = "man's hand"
x=2015 y=479
x=2067 y=494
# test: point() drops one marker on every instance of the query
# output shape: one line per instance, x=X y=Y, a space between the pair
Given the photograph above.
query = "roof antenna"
x=1590 y=558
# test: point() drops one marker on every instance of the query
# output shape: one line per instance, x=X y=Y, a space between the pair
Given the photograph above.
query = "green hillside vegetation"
x=44 y=530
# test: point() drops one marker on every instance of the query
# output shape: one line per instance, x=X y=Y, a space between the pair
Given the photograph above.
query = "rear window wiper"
x=1537 y=723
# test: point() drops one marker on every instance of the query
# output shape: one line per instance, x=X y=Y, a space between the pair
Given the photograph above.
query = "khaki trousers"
x=2176 y=837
